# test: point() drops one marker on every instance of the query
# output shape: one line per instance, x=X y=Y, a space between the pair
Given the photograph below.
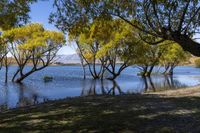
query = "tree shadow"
x=133 y=113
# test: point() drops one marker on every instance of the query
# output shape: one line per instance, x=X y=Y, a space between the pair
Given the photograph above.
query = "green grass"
x=126 y=113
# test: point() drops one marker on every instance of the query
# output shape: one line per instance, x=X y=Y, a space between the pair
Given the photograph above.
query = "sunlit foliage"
x=32 y=44
x=173 y=56
x=176 y=20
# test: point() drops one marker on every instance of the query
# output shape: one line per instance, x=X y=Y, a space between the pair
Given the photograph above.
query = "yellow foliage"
x=33 y=36
x=89 y=56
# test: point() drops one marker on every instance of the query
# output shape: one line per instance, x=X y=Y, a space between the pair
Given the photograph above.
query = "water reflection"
x=4 y=105
x=101 y=87
x=26 y=100
x=107 y=87
x=22 y=96
x=167 y=82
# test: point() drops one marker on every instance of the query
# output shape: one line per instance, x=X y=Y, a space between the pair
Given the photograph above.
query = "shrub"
x=197 y=63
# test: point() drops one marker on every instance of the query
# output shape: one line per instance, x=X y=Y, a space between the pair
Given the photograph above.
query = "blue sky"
x=40 y=13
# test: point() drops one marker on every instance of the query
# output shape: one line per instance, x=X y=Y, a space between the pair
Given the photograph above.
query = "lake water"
x=68 y=82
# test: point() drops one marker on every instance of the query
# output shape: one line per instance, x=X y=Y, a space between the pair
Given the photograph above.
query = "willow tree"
x=13 y=13
x=89 y=41
x=110 y=43
x=32 y=44
x=150 y=57
x=175 y=20
x=173 y=56
x=119 y=46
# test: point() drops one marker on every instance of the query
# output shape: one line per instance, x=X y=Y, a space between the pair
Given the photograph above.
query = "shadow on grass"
x=126 y=113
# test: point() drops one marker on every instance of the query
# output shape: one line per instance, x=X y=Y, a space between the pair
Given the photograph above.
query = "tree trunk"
x=145 y=83
x=144 y=71
x=83 y=67
x=6 y=67
x=114 y=76
x=22 y=77
x=114 y=87
x=168 y=81
x=172 y=81
x=84 y=73
x=150 y=71
x=152 y=84
x=171 y=71
x=6 y=74
x=166 y=70
x=103 y=91
x=187 y=43
x=15 y=75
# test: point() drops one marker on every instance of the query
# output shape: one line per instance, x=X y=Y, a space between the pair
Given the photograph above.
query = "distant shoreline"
x=77 y=64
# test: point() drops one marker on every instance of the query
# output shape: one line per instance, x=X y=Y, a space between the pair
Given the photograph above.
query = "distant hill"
x=74 y=59
x=67 y=59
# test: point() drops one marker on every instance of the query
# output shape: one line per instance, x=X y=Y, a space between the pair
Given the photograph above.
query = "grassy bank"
x=184 y=92
x=126 y=113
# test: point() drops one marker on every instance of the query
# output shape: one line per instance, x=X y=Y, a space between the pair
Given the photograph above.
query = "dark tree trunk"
x=187 y=44
x=102 y=74
x=144 y=71
x=166 y=69
x=148 y=73
x=84 y=73
x=152 y=84
x=171 y=71
x=15 y=75
x=6 y=74
x=172 y=81
x=114 y=87
x=168 y=81
x=22 y=77
x=115 y=73
x=145 y=83
x=83 y=66
x=114 y=76
x=103 y=91
x=6 y=67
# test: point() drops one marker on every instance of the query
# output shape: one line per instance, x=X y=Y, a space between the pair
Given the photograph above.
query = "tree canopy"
x=34 y=45
x=173 y=56
x=107 y=41
x=14 y=12
x=175 y=20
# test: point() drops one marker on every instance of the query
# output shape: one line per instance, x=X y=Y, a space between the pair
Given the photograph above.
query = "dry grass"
x=185 y=92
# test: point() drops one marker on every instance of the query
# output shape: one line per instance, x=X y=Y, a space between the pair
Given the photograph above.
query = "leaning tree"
x=175 y=20
x=34 y=46
x=13 y=13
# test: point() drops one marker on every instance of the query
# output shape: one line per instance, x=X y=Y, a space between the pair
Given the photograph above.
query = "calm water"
x=68 y=82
